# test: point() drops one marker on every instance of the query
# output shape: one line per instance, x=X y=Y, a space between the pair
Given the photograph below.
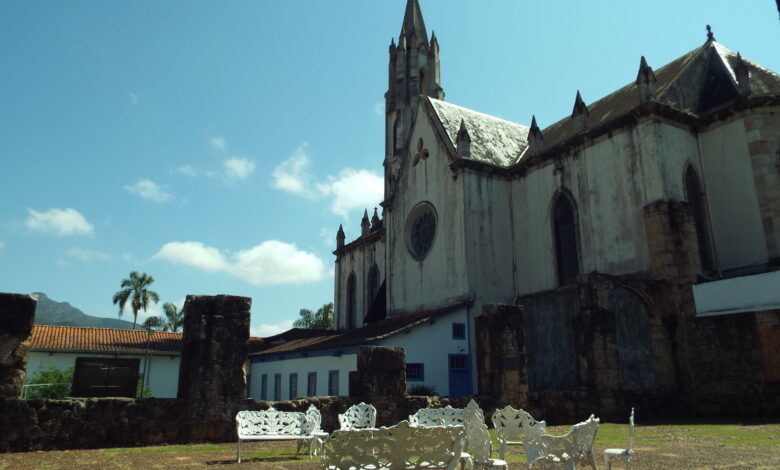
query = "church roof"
x=493 y=140
x=694 y=83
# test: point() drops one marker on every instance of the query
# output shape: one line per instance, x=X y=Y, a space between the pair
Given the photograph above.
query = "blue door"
x=460 y=378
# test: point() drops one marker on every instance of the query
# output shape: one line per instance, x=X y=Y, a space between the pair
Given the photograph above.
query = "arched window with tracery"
x=351 y=301
x=564 y=217
x=695 y=197
x=372 y=285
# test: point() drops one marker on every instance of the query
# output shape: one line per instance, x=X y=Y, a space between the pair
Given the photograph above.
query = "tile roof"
x=681 y=84
x=71 y=338
x=493 y=140
x=300 y=340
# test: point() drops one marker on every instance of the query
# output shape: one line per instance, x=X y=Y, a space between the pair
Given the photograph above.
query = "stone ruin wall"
x=17 y=313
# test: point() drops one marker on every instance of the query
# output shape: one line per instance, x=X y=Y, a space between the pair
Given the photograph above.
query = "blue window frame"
x=264 y=387
x=311 y=386
x=333 y=383
x=277 y=387
x=415 y=371
x=293 y=386
x=458 y=331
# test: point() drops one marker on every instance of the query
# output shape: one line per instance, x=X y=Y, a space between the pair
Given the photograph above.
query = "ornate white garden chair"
x=583 y=436
x=314 y=421
x=514 y=427
x=478 y=441
x=626 y=453
x=360 y=416
x=572 y=450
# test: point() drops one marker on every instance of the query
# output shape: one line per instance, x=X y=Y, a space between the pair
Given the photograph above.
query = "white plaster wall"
x=440 y=278
x=610 y=183
x=731 y=196
x=431 y=345
x=358 y=260
x=488 y=235
x=163 y=375
x=302 y=366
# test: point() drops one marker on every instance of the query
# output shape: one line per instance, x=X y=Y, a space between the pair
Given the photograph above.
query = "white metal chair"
x=360 y=416
x=478 y=441
x=518 y=427
x=626 y=453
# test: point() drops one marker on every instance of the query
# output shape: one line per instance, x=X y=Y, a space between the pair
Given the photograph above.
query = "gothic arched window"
x=372 y=285
x=397 y=137
x=565 y=232
x=695 y=198
x=351 y=301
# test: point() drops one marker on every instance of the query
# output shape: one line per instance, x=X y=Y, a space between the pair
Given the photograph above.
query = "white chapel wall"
x=358 y=260
x=440 y=278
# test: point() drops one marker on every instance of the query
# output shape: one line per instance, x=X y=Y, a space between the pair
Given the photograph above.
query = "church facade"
x=627 y=254
x=628 y=242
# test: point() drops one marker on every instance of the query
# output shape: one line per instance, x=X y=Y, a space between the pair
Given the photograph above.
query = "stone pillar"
x=381 y=372
x=502 y=365
x=17 y=313
x=215 y=344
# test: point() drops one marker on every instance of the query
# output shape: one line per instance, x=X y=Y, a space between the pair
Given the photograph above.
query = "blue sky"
x=218 y=145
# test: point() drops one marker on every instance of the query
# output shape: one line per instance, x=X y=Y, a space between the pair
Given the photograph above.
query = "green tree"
x=322 y=320
x=136 y=289
x=173 y=321
x=50 y=381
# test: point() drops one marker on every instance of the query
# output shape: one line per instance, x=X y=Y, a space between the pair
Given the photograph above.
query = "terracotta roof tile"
x=70 y=338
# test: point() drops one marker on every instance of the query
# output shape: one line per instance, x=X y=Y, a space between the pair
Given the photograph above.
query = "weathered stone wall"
x=85 y=423
x=215 y=344
x=502 y=365
x=17 y=313
x=381 y=372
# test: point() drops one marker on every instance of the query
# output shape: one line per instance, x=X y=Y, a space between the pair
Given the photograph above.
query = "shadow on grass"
x=255 y=460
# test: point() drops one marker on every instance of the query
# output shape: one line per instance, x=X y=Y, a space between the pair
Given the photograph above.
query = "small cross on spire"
x=710 y=36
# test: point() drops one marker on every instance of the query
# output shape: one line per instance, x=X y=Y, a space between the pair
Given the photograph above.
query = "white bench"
x=275 y=425
x=397 y=447
x=572 y=450
x=447 y=416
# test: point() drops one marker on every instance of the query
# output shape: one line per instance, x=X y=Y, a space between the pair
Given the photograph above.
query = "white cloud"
x=353 y=189
x=59 y=222
x=218 y=143
x=350 y=189
x=186 y=170
x=238 y=168
x=2 y=244
x=265 y=330
x=150 y=191
x=88 y=255
x=379 y=109
x=271 y=262
x=328 y=237
x=292 y=175
x=135 y=98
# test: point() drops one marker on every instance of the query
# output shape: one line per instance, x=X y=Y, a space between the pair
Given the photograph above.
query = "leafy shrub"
x=54 y=382
x=422 y=389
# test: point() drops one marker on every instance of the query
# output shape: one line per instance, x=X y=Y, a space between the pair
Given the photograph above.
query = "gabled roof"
x=686 y=84
x=493 y=140
x=300 y=340
x=72 y=338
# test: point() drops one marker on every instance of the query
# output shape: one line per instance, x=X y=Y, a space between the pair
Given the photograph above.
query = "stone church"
x=627 y=254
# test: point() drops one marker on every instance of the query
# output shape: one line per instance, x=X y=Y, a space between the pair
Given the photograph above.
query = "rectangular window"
x=264 y=387
x=415 y=371
x=277 y=387
x=311 y=387
x=459 y=331
x=333 y=383
x=293 y=386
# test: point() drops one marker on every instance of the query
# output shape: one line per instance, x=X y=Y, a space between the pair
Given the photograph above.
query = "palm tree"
x=174 y=319
x=137 y=287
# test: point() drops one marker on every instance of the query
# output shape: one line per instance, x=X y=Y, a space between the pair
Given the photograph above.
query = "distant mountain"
x=50 y=312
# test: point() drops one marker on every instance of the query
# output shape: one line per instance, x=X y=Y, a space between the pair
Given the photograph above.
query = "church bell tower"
x=413 y=71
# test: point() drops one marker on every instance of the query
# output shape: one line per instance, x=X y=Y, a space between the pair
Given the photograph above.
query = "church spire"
x=413 y=21
x=413 y=72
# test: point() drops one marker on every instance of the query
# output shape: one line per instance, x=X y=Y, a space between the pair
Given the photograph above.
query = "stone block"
x=17 y=314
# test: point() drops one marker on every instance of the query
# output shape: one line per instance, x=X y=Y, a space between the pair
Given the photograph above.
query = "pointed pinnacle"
x=534 y=126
